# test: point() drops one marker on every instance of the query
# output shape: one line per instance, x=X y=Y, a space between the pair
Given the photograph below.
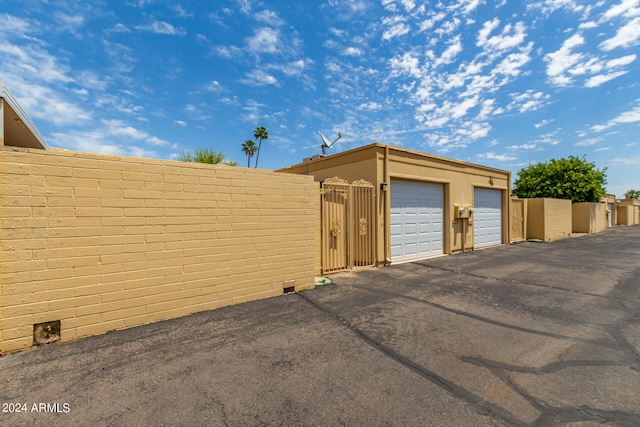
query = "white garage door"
x=487 y=217
x=416 y=220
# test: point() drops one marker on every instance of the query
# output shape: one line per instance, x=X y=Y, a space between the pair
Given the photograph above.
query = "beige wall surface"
x=635 y=212
x=626 y=215
x=104 y=242
x=548 y=219
x=588 y=217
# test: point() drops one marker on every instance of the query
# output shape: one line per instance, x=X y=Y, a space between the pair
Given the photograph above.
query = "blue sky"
x=500 y=83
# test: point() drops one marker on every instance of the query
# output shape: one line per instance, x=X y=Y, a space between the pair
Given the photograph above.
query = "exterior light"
x=384 y=186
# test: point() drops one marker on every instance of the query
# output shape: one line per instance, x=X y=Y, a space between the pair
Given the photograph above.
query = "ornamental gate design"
x=348 y=219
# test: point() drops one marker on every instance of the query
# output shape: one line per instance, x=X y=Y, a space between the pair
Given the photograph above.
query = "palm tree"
x=260 y=134
x=632 y=194
x=249 y=148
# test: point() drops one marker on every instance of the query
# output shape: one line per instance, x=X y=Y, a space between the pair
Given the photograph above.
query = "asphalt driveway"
x=528 y=334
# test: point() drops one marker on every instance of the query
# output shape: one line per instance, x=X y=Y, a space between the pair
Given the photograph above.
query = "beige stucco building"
x=426 y=205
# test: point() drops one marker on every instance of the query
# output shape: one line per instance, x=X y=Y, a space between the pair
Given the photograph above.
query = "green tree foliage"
x=571 y=178
x=632 y=194
x=260 y=134
x=205 y=155
x=249 y=148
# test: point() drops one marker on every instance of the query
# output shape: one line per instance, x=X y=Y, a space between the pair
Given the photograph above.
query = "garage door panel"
x=416 y=219
x=487 y=217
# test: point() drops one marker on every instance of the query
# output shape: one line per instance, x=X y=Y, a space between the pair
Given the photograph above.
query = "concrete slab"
x=529 y=334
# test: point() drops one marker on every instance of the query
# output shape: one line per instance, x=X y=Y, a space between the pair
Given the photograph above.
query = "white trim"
x=6 y=94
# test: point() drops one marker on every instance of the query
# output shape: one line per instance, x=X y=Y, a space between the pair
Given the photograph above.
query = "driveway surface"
x=527 y=334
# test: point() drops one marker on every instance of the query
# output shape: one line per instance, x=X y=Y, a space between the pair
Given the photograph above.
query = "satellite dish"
x=326 y=143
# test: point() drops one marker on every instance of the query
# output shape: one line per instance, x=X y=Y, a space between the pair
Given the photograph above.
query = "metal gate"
x=348 y=225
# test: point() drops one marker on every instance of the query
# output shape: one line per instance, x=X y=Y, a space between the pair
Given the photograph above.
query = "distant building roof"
x=16 y=128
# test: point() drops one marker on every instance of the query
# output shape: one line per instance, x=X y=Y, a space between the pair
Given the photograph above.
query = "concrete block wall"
x=548 y=219
x=104 y=242
x=633 y=213
x=588 y=217
x=626 y=215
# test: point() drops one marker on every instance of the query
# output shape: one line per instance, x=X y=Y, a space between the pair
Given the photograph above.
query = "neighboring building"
x=16 y=128
x=426 y=205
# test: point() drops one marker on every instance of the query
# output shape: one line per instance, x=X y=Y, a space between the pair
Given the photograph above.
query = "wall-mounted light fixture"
x=491 y=181
x=384 y=186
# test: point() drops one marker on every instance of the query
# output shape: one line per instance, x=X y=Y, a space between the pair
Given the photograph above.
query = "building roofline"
x=399 y=149
x=6 y=94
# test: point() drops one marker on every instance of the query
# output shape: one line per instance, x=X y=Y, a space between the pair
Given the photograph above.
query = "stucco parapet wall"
x=101 y=242
x=630 y=202
x=376 y=149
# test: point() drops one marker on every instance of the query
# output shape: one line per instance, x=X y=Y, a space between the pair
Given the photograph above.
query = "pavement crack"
x=546 y=369
x=223 y=409
x=557 y=416
x=615 y=331
x=455 y=390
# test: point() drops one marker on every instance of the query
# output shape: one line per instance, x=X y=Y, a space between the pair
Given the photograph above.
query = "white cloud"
x=627 y=35
x=563 y=59
x=449 y=55
x=588 y=25
x=269 y=17
x=161 y=27
x=352 y=51
x=619 y=62
x=588 y=142
x=510 y=37
x=370 y=106
x=259 y=78
x=397 y=27
x=265 y=40
x=498 y=157
x=408 y=64
x=513 y=63
x=542 y=123
x=228 y=52
x=522 y=147
x=624 y=8
x=430 y=22
x=630 y=116
x=112 y=137
x=214 y=86
x=625 y=161
x=181 y=123
x=68 y=22
x=44 y=103
x=528 y=101
x=547 y=7
x=603 y=78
